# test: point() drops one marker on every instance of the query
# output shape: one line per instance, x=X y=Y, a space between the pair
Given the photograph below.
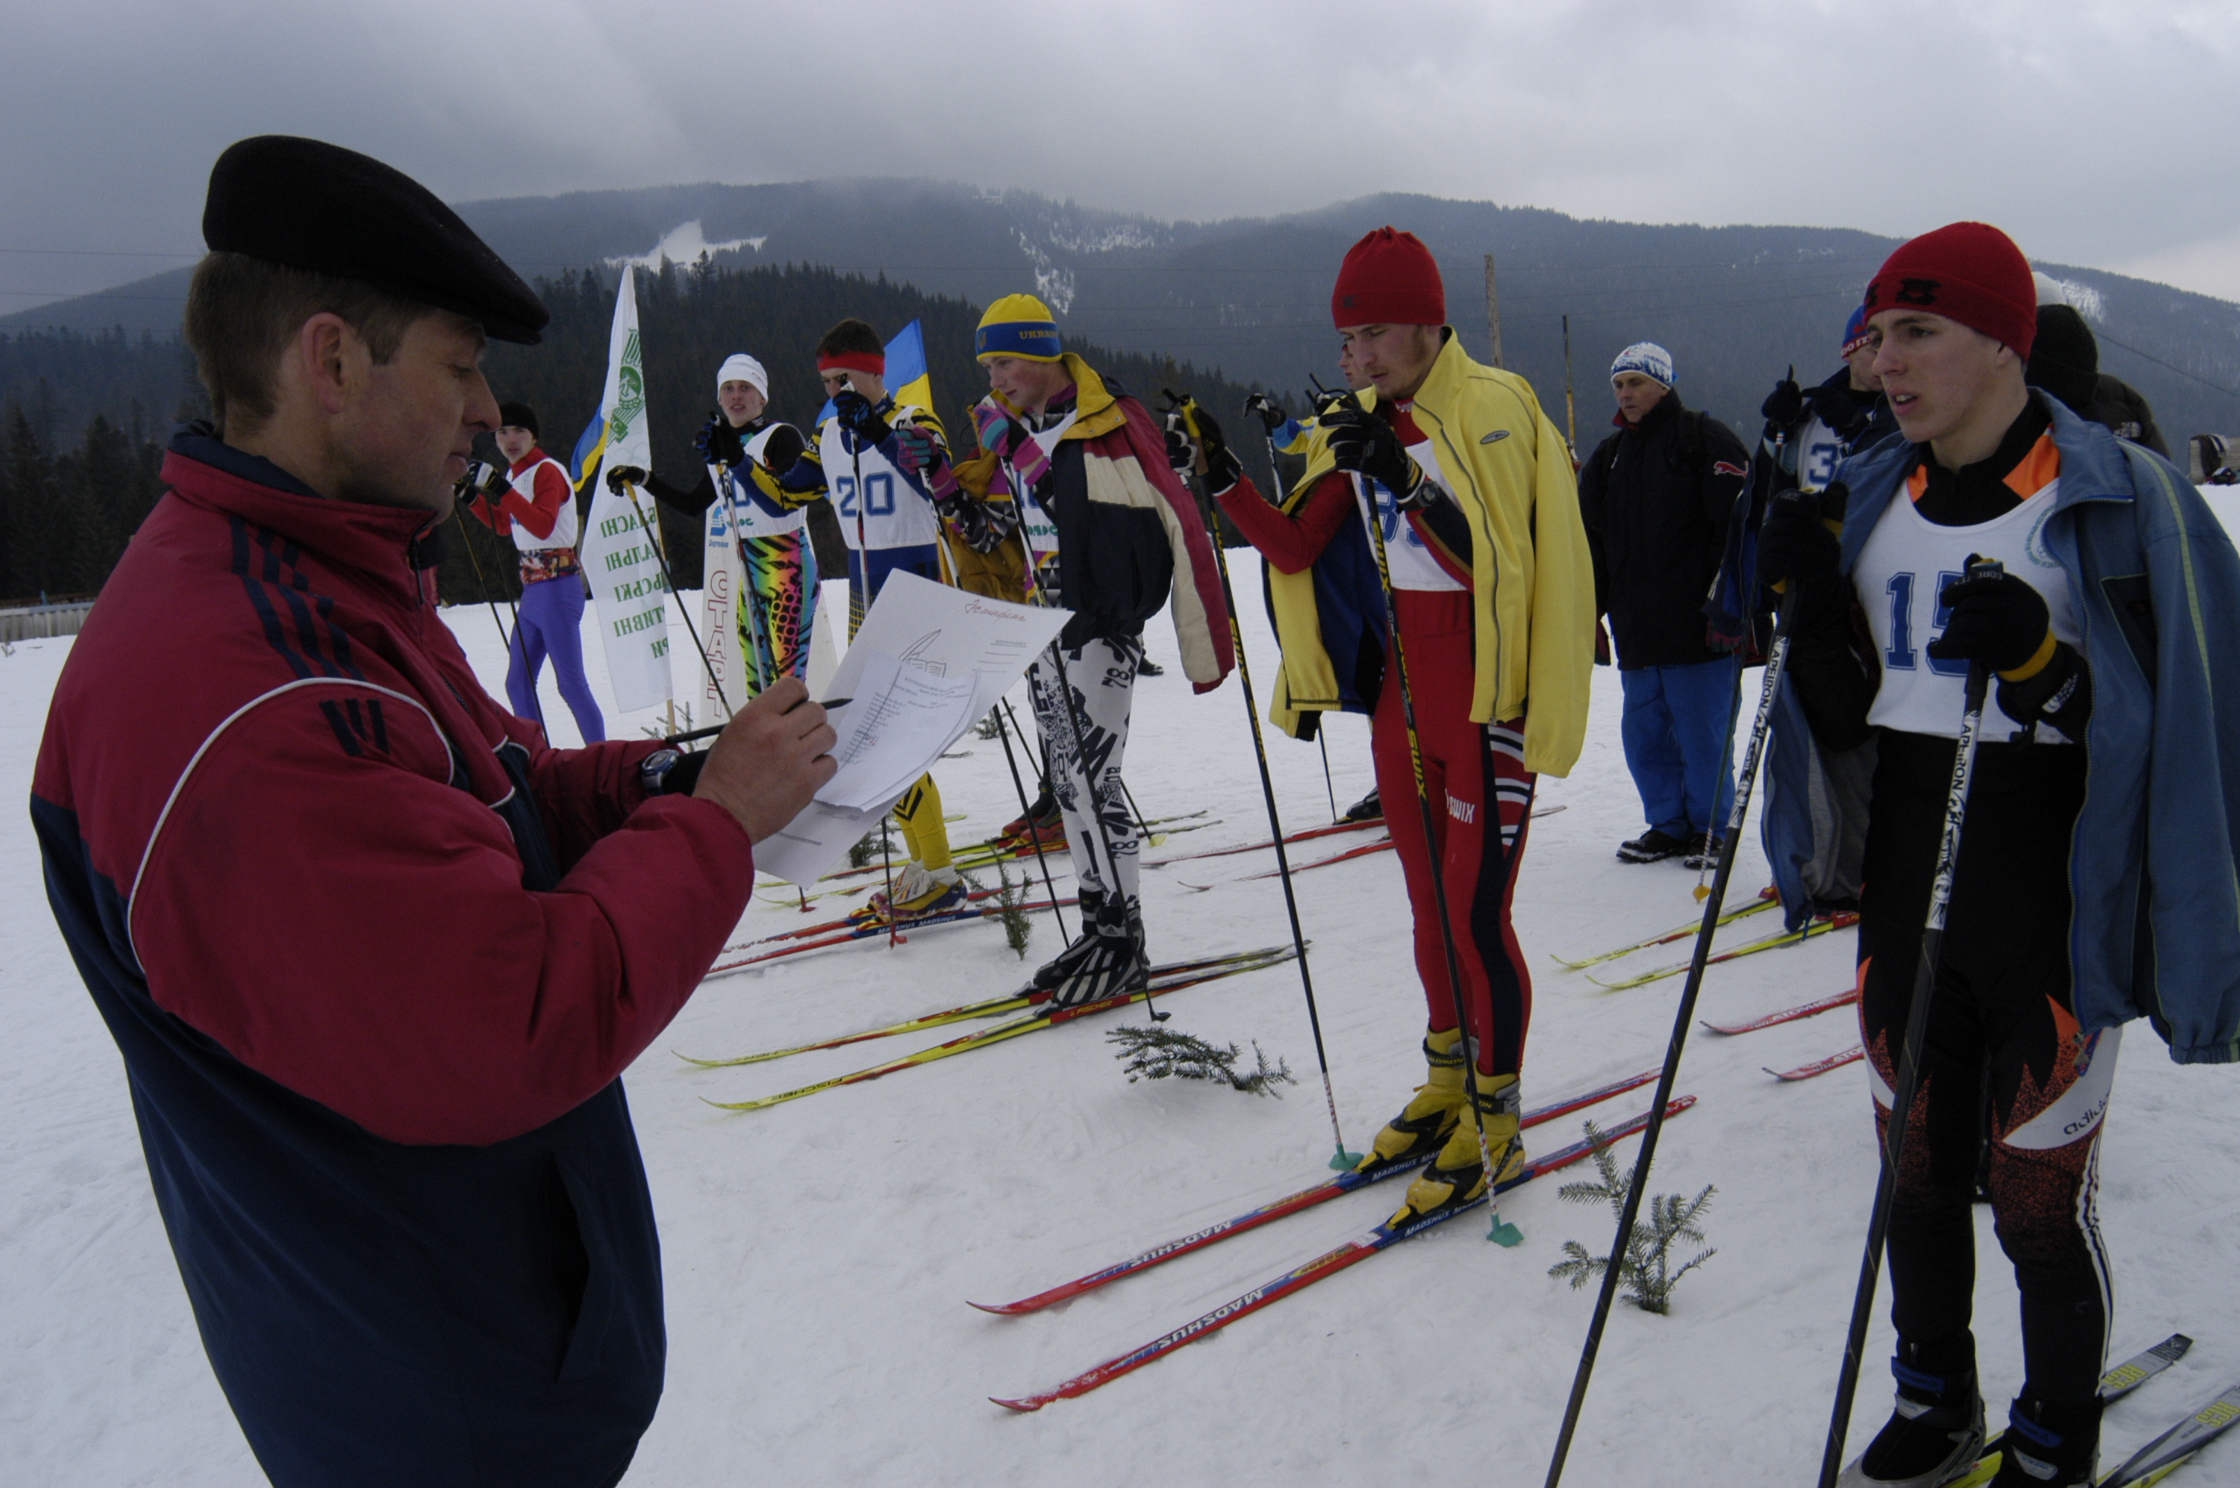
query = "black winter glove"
x=1261 y=407
x=1784 y=406
x=1221 y=467
x=1180 y=454
x=1365 y=444
x=1998 y=620
x=1838 y=411
x=718 y=443
x=2059 y=693
x=482 y=479
x=859 y=418
x=1796 y=549
x=617 y=475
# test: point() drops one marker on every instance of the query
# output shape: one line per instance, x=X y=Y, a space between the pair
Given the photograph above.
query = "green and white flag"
x=619 y=557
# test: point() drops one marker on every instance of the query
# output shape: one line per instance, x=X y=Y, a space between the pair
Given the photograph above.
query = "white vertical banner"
x=619 y=557
x=723 y=686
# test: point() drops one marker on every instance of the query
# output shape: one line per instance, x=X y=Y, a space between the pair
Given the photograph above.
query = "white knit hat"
x=1647 y=358
x=739 y=367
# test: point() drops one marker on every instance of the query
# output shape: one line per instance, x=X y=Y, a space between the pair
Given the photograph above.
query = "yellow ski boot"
x=1425 y=1122
x=1458 y=1175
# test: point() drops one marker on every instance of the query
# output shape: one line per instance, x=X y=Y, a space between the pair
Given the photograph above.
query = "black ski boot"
x=1109 y=966
x=1936 y=1433
x=2048 y=1445
x=1369 y=808
x=1061 y=966
x=1652 y=846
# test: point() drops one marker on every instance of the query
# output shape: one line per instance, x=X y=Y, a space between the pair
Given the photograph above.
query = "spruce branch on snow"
x=859 y=856
x=990 y=727
x=669 y=726
x=1154 y=1053
x=1017 y=928
x=1646 y=1272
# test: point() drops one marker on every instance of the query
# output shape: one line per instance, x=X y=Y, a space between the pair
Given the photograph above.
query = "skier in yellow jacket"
x=1494 y=590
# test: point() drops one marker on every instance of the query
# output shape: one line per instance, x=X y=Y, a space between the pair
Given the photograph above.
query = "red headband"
x=870 y=362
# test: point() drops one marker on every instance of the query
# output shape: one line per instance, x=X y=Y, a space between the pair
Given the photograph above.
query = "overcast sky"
x=2101 y=134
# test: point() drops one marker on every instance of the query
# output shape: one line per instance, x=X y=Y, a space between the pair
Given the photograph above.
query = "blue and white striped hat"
x=1647 y=358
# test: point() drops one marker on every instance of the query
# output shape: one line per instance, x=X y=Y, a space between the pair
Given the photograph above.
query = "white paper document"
x=928 y=662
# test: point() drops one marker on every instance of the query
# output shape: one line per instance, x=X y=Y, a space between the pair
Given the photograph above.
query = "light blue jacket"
x=2154 y=863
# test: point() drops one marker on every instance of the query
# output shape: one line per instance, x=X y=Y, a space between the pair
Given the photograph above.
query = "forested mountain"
x=1248 y=298
x=65 y=512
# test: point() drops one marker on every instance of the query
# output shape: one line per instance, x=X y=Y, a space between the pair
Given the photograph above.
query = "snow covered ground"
x=819 y=1254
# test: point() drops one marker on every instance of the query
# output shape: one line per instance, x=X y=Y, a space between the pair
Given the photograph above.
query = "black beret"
x=519 y=415
x=311 y=205
x=2064 y=359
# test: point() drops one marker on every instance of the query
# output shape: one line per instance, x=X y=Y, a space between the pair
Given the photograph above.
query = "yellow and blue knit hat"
x=1018 y=325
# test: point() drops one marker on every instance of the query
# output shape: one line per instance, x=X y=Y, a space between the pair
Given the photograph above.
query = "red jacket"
x=374 y=956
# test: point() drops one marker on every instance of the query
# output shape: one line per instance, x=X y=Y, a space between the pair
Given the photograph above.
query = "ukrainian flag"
x=590 y=446
x=907 y=377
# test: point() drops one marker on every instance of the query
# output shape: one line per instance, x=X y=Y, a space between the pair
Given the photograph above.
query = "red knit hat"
x=1388 y=278
x=1967 y=271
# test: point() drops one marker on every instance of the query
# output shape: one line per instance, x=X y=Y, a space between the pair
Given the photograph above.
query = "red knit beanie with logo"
x=1388 y=278
x=1967 y=271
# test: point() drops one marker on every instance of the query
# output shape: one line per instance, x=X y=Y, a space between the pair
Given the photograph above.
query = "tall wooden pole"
x=1493 y=311
x=1570 y=414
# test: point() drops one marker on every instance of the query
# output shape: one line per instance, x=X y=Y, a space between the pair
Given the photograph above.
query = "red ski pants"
x=1473 y=775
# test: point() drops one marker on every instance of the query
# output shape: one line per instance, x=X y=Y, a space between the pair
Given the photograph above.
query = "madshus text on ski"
x=375 y=1051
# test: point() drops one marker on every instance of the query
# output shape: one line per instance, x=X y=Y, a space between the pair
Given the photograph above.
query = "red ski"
x=1306 y=1198
x=1303 y=835
x=1787 y=1015
x=1353 y=1251
x=1819 y=1066
x=871 y=929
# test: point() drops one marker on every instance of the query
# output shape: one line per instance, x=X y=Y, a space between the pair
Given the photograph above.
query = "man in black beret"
x=373 y=952
x=2065 y=361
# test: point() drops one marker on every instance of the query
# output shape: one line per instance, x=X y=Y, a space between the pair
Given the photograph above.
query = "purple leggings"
x=551 y=614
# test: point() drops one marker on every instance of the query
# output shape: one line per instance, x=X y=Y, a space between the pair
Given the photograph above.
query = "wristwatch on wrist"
x=653 y=770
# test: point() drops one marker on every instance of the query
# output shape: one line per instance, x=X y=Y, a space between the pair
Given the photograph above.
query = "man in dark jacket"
x=375 y=954
x=1656 y=496
x=2065 y=361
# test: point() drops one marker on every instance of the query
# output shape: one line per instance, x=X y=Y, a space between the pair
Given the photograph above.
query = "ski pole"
x=1089 y=801
x=1909 y=1059
x=1342 y=1160
x=1726 y=761
x=1329 y=787
x=1777 y=654
x=536 y=704
x=1035 y=751
x=1253 y=405
x=630 y=489
x=1034 y=834
x=1500 y=1233
x=484 y=585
